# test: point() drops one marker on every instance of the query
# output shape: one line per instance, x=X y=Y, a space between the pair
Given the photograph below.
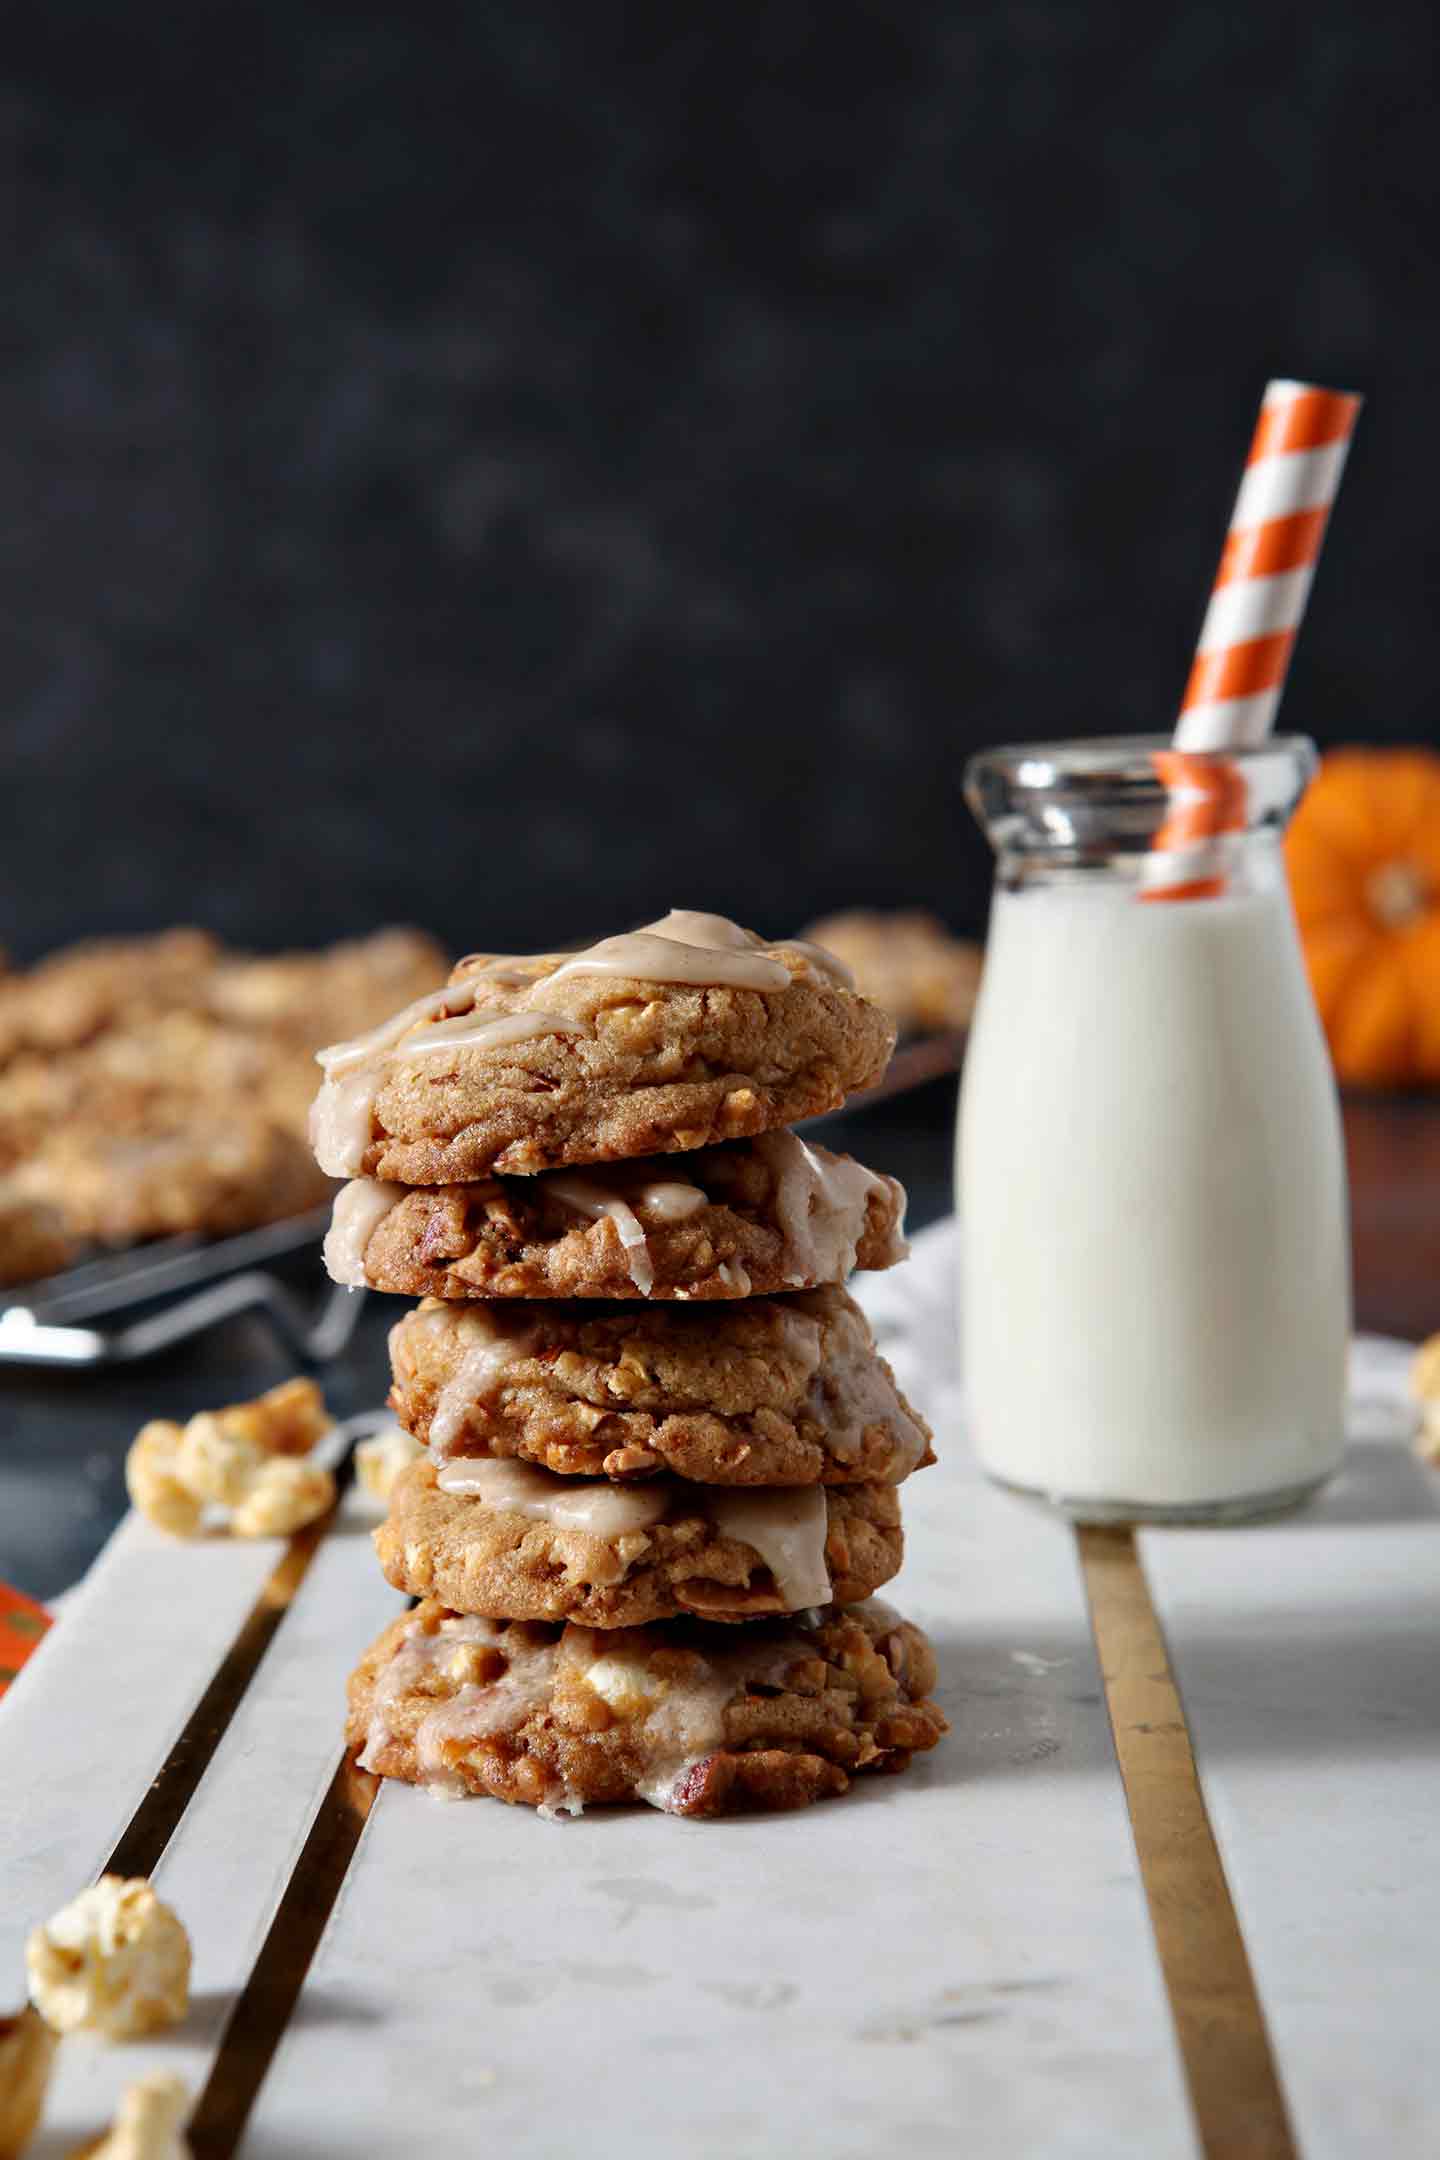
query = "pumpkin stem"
x=1397 y=893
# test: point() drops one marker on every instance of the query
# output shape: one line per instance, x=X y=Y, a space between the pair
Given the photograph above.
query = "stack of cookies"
x=657 y=1455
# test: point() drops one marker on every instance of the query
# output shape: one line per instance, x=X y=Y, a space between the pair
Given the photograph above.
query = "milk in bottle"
x=1155 y=1294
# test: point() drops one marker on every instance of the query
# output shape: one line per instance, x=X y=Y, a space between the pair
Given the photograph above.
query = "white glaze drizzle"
x=684 y=947
x=821 y=1207
x=477 y=1708
x=496 y=1341
x=823 y=961
x=357 y=1214
x=343 y=1057
x=675 y=1722
x=803 y=1334
x=664 y=1201
x=853 y=1390
x=594 y=1506
x=589 y=1197
x=477 y=1031
x=787 y=1529
x=668 y=1200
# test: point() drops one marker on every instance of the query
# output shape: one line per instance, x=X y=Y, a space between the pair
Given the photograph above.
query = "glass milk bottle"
x=1155 y=1300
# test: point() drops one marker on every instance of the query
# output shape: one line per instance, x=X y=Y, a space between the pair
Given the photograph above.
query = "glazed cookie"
x=506 y=1539
x=694 y=1719
x=737 y=1221
x=766 y=1391
x=312 y=996
x=33 y=1239
x=908 y=962
x=78 y=993
x=207 y=1172
x=673 y=1037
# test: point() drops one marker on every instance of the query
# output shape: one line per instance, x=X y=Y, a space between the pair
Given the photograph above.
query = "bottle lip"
x=1097 y=797
x=1125 y=759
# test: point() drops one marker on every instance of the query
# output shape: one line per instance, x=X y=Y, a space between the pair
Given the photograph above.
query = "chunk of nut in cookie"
x=27 y=2049
x=627 y=1684
x=147 y=2124
x=115 y=1960
x=250 y=1457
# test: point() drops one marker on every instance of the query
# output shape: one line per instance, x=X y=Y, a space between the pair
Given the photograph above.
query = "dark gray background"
x=516 y=467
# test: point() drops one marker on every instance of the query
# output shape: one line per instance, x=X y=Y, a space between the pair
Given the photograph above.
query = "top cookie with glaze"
x=687 y=1032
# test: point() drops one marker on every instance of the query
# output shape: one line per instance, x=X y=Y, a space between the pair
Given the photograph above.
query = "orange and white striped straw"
x=1261 y=586
x=1268 y=560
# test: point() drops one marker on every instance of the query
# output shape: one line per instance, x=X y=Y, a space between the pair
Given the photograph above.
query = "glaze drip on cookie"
x=788 y=1530
x=357 y=1214
x=501 y=1342
x=822 y=1203
x=344 y=1109
x=597 y=1507
x=500 y=1673
x=684 y=947
x=666 y=1202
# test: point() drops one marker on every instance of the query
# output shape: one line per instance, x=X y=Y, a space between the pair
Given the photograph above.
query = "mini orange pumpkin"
x=1363 y=853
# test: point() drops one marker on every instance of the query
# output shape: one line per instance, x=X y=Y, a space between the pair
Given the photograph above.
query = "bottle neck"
x=1244 y=862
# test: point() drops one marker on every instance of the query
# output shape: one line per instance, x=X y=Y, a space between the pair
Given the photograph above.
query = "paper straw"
x=1263 y=581
x=1266 y=565
x=1207 y=801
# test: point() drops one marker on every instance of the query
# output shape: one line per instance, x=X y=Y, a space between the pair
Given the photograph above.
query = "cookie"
x=908 y=962
x=311 y=997
x=33 y=1239
x=766 y=1391
x=160 y=1084
x=507 y=1539
x=671 y=1038
x=216 y=1173
x=746 y=1219
x=694 y=1719
x=77 y=993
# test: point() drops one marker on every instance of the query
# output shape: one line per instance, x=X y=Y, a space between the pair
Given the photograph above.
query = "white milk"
x=1152 y=1200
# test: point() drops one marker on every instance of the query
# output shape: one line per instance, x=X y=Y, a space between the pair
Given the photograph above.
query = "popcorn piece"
x=1425 y=1387
x=147 y=2124
x=380 y=1460
x=114 y=1960
x=1425 y=1372
x=249 y=1457
x=288 y=1420
x=283 y=1496
x=215 y=1462
x=153 y=1481
x=27 y=2047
